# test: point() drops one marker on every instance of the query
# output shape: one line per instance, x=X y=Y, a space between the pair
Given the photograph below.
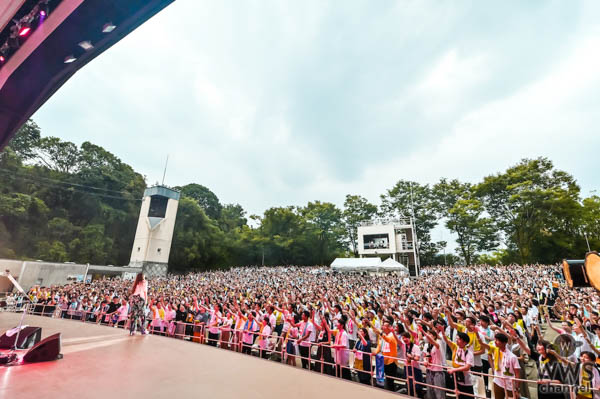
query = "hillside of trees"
x=60 y=202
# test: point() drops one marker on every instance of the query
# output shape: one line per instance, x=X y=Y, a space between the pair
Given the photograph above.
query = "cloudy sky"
x=272 y=103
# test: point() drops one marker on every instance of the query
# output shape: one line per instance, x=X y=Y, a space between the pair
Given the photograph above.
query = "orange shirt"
x=389 y=349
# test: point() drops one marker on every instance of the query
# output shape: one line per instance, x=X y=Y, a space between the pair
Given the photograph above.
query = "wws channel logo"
x=570 y=377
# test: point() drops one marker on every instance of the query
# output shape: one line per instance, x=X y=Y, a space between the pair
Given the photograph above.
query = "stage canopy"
x=44 y=42
x=393 y=266
x=374 y=265
x=356 y=264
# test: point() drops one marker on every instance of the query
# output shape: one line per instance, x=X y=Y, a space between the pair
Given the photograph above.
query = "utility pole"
x=165 y=172
x=442 y=240
x=587 y=242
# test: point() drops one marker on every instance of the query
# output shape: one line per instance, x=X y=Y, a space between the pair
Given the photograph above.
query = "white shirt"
x=264 y=337
x=463 y=357
x=533 y=314
x=304 y=328
x=509 y=367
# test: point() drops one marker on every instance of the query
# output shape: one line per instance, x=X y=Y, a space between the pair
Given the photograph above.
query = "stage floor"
x=103 y=362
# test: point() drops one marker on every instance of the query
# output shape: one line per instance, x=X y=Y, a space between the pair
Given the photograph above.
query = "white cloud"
x=452 y=74
x=270 y=104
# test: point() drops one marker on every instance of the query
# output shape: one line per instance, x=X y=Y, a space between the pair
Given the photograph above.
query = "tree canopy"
x=63 y=202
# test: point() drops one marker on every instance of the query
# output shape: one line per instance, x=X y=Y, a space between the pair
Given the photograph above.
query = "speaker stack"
x=584 y=272
x=40 y=350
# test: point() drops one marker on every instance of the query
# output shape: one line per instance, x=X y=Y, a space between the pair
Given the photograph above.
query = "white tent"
x=391 y=265
x=356 y=264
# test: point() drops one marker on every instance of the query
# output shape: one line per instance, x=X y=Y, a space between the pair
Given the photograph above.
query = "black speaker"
x=45 y=350
x=28 y=337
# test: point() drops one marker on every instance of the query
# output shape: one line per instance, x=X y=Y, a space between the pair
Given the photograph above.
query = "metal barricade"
x=275 y=347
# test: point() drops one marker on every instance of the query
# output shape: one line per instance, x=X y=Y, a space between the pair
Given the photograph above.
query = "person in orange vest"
x=389 y=351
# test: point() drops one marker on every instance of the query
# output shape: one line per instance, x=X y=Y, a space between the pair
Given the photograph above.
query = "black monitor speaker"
x=45 y=350
x=28 y=337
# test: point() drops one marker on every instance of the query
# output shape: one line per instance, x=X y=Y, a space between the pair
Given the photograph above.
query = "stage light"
x=69 y=59
x=2 y=59
x=86 y=45
x=24 y=29
x=44 y=10
x=109 y=27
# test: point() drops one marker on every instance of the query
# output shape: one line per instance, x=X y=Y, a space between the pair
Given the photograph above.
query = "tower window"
x=158 y=206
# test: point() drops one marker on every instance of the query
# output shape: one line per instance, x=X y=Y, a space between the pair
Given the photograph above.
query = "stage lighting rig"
x=70 y=58
x=23 y=25
x=44 y=8
x=108 y=27
x=24 y=28
x=86 y=45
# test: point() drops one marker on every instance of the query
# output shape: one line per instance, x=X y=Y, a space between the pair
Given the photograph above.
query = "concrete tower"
x=154 y=233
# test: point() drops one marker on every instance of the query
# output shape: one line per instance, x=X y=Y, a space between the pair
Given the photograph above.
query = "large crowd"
x=442 y=333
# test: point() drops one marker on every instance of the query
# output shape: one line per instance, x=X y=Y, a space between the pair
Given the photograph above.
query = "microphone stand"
x=12 y=355
x=21 y=324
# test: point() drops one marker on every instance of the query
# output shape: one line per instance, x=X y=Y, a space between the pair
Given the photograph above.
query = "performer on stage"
x=139 y=293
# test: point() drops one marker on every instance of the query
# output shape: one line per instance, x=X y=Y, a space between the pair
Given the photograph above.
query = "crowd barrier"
x=232 y=339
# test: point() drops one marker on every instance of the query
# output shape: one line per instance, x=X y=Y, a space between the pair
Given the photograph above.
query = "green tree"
x=57 y=155
x=198 y=243
x=495 y=258
x=92 y=245
x=356 y=210
x=324 y=220
x=590 y=221
x=25 y=142
x=206 y=198
x=465 y=216
x=45 y=179
x=475 y=233
x=536 y=207
x=52 y=252
x=446 y=259
x=232 y=217
x=285 y=237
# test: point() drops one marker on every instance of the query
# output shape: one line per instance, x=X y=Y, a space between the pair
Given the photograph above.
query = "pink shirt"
x=249 y=327
x=213 y=323
x=170 y=315
x=123 y=311
x=436 y=360
x=342 y=354
x=264 y=337
x=142 y=289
